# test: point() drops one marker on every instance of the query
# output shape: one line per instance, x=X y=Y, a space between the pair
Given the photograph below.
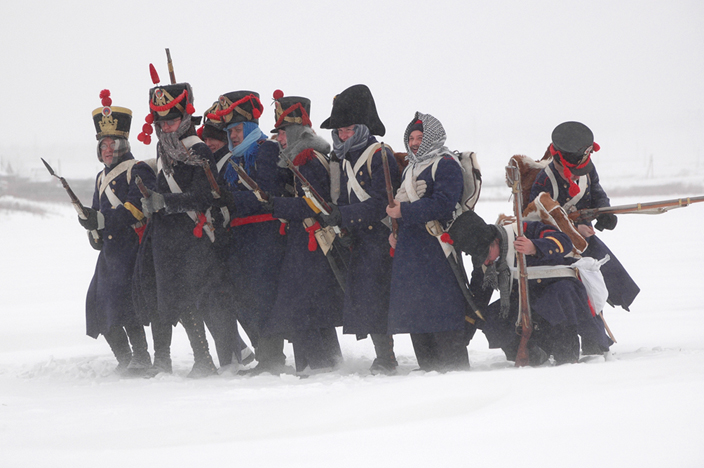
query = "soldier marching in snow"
x=426 y=299
x=572 y=180
x=360 y=209
x=309 y=299
x=176 y=258
x=256 y=249
x=116 y=215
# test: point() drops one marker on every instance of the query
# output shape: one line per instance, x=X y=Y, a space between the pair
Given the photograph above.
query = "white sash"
x=556 y=189
x=352 y=182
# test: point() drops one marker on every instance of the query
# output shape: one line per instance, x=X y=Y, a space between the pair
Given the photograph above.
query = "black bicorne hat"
x=237 y=106
x=111 y=121
x=355 y=105
x=472 y=235
x=290 y=110
x=573 y=143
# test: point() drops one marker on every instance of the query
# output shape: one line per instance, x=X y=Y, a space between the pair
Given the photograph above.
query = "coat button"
x=361 y=183
x=539 y=280
x=110 y=236
x=114 y=182
x=361 y=173
x=550 y=252
x=371 y=227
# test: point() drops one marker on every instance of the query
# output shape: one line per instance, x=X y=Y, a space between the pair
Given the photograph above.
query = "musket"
x=74 y=199
x=215 y=190
x=248 y=182
x=656 y=207
x=142 y=188
x=170 y=64
x=524 y=322
x=389 y=191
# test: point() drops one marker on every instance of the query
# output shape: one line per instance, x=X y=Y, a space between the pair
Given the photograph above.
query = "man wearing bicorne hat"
x=177 y=258
x=360 y=210
x=572 y=180
x=116 y=214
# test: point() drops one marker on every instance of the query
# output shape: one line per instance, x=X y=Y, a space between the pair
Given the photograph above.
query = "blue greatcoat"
x=174 y=266
x=622 y=289
x=109 y=299
x=425 y=295
x=368 y=282
x=309 y=296
x=559 y=301
x=256 y=249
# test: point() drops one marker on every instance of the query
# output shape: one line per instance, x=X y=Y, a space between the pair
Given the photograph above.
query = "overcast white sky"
x=499 y=75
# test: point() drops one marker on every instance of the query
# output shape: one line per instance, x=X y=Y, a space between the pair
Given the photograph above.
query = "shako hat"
x=237 y=106
x=355 y=105
x=572 y=145
x=290 y=110
x=166 y=102
x=111 y=121
x=472 y=235
x=212 y=127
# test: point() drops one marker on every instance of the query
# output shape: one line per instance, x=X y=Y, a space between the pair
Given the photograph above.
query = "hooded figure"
x=426 y=300
x=116 y=214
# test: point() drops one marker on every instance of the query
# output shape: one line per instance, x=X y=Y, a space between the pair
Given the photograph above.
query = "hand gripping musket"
x=337 y=263
x=74 y=199
x=207 y=227
x=389 y=192
x=215 y=190
x=524 y=322
x=248 y=182
x=656 y=207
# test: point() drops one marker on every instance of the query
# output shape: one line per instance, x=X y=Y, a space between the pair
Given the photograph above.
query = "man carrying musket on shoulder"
x=176 y=257
x=116 y=214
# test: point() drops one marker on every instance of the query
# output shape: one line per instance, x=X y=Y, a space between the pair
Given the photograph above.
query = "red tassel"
x=104 y=93
x=106 y=102
x=445 y=237
x=392 y=251
x=278 y=94
x=256 y=113
x=199 y=132
x=154 y=74
x=312 y=243
x=282 y=229
x=146 y=128
x=198 y=230
x=596 y=147
x=190 y=109
x=149 y=119
x=140 y=137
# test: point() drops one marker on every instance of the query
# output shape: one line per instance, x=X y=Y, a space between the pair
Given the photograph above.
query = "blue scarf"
x=244 y=152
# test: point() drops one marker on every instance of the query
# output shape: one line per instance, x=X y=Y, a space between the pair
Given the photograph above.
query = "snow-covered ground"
x=60 y=405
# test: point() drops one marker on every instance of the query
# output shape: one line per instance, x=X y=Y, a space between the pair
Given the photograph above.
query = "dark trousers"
x=226 y=336
x=120 y=339
x=441 y=351
x=318 y=348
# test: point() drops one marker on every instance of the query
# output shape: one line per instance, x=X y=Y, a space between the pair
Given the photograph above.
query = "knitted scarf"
x=171 y=150
x=356 y=142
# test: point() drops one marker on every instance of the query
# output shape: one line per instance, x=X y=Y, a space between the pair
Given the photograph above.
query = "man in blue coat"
x=308 y=303
x=426 y=300
x=559 y=302
x=572 y=180
x=257 y=241
x=177 y=261
x=116 y=216
x=361 y=210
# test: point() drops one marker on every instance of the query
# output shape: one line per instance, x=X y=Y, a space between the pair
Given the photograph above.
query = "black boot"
x=385 y=362
x=195 y=329
x=161 y=334
x=141 y=361
x=117 y=339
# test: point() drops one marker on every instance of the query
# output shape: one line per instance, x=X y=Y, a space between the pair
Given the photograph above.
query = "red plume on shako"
x=166 y=102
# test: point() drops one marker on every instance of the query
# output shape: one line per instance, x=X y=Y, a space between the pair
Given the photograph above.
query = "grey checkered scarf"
x=433 y=144
x=170 y=149
x=299 y=138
